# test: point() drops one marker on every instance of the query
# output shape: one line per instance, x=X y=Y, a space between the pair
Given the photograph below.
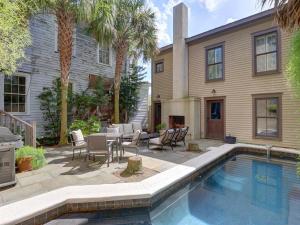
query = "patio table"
x=113 y=137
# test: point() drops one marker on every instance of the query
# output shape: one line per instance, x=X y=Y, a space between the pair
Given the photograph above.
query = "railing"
x=20 y=127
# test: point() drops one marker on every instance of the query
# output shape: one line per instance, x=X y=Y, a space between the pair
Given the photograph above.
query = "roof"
x=227 y=28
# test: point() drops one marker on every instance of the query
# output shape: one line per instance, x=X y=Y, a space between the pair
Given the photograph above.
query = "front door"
x=157 y=114
x=215 y=119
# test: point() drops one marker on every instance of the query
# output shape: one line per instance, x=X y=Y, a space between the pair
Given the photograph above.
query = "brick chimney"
x=180 y=51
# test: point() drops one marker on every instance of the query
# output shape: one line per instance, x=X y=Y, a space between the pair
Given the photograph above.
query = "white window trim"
x=27 y=93
x=110 y=56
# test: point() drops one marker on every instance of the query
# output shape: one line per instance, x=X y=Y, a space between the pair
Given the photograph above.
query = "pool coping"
x=47 y=206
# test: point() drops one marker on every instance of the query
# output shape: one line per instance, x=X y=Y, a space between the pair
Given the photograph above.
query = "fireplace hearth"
x=176 y=122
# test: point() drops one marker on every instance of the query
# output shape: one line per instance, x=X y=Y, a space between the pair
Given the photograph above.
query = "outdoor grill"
x=7 y=164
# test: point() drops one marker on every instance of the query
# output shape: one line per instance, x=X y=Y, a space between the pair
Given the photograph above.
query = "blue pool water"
x=245 y=190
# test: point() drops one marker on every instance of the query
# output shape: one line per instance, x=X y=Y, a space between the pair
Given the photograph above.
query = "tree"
x=129 y=91
x=287 y=12
x=14 y=36
x=130 y=28
x=67 y=13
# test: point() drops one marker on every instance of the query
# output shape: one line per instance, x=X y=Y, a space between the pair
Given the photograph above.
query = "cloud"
x=230 y=20
x=211 y=5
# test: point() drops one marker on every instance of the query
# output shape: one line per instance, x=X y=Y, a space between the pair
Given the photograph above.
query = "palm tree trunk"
x=65 y=22
x=120 y=53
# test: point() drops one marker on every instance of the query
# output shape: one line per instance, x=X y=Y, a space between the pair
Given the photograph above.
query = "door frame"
x=153 y=115
x=206 y=99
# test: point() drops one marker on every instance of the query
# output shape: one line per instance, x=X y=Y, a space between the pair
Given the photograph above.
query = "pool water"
x=245 y=190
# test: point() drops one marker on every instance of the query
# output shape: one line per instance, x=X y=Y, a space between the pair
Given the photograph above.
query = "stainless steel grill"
x=7 y=164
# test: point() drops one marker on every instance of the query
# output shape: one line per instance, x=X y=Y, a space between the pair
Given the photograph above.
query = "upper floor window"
x=159 y=67
x=103 y=55
x=266 y=52
x=215 y=63
x=15 y=94
x=267 y=118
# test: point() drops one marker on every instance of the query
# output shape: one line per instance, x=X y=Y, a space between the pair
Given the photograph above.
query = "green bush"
x=161 y=126
x=37 y=154
x=92 y=125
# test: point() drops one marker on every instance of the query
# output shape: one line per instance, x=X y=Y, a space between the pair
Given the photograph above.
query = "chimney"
x=180 y=51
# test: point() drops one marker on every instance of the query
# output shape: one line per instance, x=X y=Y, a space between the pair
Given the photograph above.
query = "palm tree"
x=67 y=12
x=288 y=12
x=131 y=31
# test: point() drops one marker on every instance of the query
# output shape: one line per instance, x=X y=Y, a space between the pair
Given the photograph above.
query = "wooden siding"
x=240 y=84
x=42 y=64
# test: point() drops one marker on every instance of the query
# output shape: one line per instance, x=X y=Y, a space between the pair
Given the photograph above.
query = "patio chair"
x=164 y=140
x=175 y=136
x=98 y=145
x=78 y=142
x=182 y=135
x=134 y=143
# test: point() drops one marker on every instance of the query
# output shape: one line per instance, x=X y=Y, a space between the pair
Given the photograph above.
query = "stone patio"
x=62 y=171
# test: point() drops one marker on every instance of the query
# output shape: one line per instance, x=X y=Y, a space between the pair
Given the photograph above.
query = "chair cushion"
x=113 y=130
x=136 y=137
x=78 y=137
x=127 y=128
x=155 y=141
x=136 y=126
x=120 y=126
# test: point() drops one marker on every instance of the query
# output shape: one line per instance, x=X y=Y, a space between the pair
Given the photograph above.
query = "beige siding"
x=240 y=84
x=162 y=83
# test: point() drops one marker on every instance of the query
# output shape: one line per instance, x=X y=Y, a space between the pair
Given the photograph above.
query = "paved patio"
x=62 y=171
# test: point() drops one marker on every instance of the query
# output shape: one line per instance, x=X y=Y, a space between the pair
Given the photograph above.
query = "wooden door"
x=215 y=119
x=157 y=114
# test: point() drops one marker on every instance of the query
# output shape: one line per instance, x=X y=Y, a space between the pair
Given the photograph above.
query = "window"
x=215 y=63
x=159 y=67
x=103 y=55
x=266 y=53
x=215 y=111
x=267 y=116
x=15 y=94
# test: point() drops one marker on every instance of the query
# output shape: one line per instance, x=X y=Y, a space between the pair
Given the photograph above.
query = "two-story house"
x=18 y=93
x=227 y=81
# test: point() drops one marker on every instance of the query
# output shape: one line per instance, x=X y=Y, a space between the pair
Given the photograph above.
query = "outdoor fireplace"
x=176 y=121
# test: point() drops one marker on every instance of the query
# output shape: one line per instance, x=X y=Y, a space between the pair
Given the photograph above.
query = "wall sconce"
x=213 y=91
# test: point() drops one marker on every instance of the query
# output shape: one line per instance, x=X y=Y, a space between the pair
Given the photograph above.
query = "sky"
x=204 y=15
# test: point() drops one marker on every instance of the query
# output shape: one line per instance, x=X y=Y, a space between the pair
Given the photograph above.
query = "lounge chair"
x=98 y=145
x=181 y=136
x=134 y=143
x=175 y=136
x=164 y=140
x=78 y=142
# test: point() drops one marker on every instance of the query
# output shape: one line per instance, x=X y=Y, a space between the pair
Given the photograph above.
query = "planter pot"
x=230 y=140
x=24 y=164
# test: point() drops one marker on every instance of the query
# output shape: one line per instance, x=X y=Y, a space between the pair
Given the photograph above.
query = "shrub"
x=37 y=154
x=92 y=125
x=161 y=126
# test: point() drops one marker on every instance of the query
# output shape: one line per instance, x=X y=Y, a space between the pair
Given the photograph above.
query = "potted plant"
x=29 y=158
x=161 y=128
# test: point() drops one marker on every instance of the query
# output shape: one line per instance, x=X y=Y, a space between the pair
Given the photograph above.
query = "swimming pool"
x=245 y=190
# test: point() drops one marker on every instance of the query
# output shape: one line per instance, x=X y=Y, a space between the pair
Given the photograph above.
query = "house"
x=18 y=94
x=227 y=81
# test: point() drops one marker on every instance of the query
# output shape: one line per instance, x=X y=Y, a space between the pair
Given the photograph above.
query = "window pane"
x=22 y=80
x=7 y=88
x=261 y=64
x=261 y=108
x=215 y=113
x=15 y=89
x=21 y=107
x=7 y=107
x=21 y=98
x=7 y=99
x=272 y=128
x=15 y=80
x=14 y=99
x=272 y=61
x=211 y=72
x=271 y=42
x=211 y=56
x=261 y=126
x=22 y=89
x=219 y=71
x=218 y=55
x=7 y=80
x=272 y=106
x=14 y=107
x=260 y=45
